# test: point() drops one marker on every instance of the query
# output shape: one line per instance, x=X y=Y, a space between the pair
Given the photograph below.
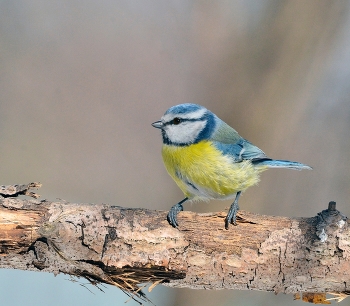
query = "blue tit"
x=208 y=159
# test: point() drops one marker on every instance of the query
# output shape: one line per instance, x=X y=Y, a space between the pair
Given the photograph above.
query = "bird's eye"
x=176 y=121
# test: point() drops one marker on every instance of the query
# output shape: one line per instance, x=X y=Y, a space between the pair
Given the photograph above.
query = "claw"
x=172 y=215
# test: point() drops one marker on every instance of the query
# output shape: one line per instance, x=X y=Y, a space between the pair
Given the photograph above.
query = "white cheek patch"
x=185 y=132
x=193 y=115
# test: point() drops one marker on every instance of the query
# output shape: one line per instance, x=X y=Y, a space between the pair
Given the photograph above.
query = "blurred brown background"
x=81 y=82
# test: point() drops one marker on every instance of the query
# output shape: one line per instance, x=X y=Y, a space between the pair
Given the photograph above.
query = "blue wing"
x=229 y=142
x=241 y=150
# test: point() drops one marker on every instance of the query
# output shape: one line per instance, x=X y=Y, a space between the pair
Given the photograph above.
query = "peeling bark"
x=125 y=247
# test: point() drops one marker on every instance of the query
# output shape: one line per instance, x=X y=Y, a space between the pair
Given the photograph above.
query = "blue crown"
x=184 y=108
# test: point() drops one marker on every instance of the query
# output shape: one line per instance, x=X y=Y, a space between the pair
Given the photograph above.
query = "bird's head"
x=185 y=124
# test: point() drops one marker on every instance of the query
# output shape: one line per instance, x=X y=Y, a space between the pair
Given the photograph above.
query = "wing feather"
x=229 y=142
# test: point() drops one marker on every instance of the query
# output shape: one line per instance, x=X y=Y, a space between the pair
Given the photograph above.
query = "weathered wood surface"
x=124 y=247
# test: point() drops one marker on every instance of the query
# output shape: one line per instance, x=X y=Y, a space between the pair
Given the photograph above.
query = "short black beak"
x=158 y=124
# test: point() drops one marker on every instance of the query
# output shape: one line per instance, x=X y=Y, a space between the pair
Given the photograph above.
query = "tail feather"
x=275 y=163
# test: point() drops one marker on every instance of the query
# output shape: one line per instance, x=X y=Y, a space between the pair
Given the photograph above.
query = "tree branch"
x=126 y=247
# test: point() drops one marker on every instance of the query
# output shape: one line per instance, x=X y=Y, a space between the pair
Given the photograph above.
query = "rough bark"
x=125 y=247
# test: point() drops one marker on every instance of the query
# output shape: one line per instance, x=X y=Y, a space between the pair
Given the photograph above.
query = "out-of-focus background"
x=82 y=81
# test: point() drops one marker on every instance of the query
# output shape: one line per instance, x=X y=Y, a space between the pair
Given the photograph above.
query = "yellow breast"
x=202 y=167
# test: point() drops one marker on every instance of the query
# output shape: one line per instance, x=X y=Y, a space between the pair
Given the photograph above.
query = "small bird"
x=208 y=159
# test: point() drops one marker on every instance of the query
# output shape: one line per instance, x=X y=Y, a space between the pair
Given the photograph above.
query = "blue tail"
x=274 y=163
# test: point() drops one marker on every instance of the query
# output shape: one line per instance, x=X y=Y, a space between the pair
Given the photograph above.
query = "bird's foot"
x=172 y=215
x=232 y=212
x=231 y=218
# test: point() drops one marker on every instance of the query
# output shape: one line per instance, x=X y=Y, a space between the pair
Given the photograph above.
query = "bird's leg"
x=231 y=215
x=172 y=215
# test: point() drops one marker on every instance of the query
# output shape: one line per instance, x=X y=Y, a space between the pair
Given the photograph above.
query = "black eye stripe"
x=184 y=120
